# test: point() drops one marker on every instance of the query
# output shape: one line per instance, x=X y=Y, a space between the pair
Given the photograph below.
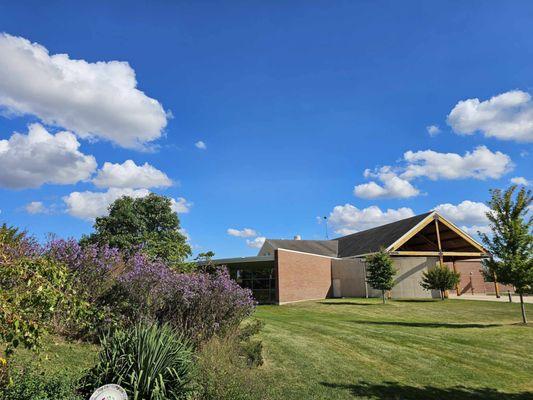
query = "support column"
x=496 y=287
x=457 y=288
x=439 y=245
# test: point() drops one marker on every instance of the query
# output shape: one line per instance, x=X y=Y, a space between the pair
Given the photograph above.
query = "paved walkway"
x=504 y=297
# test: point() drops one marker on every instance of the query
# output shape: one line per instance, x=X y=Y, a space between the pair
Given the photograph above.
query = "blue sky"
x=293 y=101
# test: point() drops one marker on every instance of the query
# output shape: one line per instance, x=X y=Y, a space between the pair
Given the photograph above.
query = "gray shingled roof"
x=322 y=247
x=359 y=243
x=372 y=240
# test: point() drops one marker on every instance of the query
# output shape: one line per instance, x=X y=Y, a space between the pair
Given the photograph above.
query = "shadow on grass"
x=417 y=300
x=427 y=324
x=397 y=391
x=347 y=303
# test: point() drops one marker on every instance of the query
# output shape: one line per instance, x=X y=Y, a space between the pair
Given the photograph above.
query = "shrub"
x=380 y=272
x=150 y=362
x=202 y=305
x=440 y=278
x=30 y=386
x=224 y=374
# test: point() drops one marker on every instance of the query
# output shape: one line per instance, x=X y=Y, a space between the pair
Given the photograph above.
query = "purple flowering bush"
x=202 y=305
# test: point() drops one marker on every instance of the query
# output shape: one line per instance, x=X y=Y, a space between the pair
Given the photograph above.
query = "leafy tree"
x=147 y=223
x=440 y=278
x=380 y=272
x=511 y=242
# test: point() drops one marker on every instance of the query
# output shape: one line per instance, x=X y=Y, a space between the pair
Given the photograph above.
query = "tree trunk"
x=442 y=295
x=523 y=307
x=383 y=296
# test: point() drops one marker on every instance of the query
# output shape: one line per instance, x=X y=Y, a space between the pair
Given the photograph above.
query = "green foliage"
x=380 y=272
x=511 y=242
x=225 y=370
x=150 y=362
x=34 y=289
x=30 y=386
x=440 y=278
x=147 y=223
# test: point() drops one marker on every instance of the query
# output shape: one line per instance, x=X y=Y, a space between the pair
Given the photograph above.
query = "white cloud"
x=433 y=130
x=130 y=175
x=470 y=216
x=89 y=205
x=243 y=233
x=201 y=145
x=36 y=207
x=181 y=205
x=481 y=163
x=478 y=164
x=94 y=100
x=348 y=219
x=507 y=116
x=393 y=186
x=256 y=243
x=520 y=180
x=29 y=161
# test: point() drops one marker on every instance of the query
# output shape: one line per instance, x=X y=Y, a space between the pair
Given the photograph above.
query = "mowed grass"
x=359 y=348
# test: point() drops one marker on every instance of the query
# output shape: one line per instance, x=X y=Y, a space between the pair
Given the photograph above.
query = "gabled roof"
x=372 y=240
x=321 y=247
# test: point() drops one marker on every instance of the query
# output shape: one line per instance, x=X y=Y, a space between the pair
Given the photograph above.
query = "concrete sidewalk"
x=483 y=297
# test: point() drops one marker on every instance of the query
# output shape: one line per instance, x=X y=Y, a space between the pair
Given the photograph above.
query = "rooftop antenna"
x=326 y=220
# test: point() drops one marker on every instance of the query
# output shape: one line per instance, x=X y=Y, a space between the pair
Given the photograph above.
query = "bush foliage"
x=440 y=278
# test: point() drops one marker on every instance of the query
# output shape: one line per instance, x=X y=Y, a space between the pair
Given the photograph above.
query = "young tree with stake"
x=511 y=242
x=380 y=272
x=440 y=278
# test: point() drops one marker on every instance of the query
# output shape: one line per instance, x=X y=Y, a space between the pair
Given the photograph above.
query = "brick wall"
x=302 y=276
x=478 y=282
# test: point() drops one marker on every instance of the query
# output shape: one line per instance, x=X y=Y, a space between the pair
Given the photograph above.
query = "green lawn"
x=358 y=348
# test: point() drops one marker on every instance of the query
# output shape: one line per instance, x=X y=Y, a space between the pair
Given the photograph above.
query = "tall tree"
x=147 y=223
x=511 y=242
x=380 y=272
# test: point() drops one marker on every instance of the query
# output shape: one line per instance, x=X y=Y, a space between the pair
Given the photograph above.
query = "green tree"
x=147 y=223
x=511 y=242
x=440 y=278
x=380 y=272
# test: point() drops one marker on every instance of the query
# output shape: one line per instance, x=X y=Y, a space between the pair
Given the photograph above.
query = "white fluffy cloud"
x=29 y=161
x=201 y=145
x=89 y=205
x=520 y=180
x=35 y=207
x=348 y=219
x=243 y=233
x=131 y=175
x=393 y=186
x=181 y=205
x=256 y=243
x=433 y=130
x=507 y=116
x=94 y=100
x=481 y=163
x=470 y=216
x=478 y=164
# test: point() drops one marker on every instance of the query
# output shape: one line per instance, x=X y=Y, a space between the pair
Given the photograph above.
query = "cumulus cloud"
x=520 y=180
x=36 y=207
x=29 y=161
x=470 y=216
x=256 y=243
x=392 y=187
x=181 y=205
x=94 y=100
x=243 y=233
x=89 y=205
x=478 y=164
x=131 y=175
x=481 y=163
x=348 y=219
x=201 y=145
x=433 y=130
x=507 y=116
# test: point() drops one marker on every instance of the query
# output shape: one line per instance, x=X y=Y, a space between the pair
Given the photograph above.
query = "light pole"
x=326 y=220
